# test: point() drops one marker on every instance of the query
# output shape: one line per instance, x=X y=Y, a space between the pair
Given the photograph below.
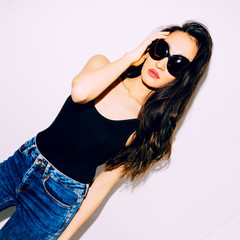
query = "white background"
x=45 y=43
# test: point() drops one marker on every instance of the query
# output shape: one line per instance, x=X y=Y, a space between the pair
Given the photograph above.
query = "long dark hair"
x=162 y=110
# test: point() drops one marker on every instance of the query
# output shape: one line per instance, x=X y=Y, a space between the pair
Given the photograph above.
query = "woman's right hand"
x=137 y=56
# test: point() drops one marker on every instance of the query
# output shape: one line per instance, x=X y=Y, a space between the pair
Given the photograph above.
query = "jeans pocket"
x=60 y=193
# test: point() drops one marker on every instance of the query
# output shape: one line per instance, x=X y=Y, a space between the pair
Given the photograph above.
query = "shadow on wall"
x=127 y=184
x=161 y=166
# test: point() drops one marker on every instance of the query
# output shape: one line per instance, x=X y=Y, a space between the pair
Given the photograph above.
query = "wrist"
x=128 y=58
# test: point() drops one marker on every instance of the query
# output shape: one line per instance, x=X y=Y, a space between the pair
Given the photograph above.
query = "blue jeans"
x=46 y=200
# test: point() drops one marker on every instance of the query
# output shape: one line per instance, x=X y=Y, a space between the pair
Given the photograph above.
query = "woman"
x=121 y=113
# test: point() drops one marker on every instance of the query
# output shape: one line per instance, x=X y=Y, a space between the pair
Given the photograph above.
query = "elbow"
x=78 y=94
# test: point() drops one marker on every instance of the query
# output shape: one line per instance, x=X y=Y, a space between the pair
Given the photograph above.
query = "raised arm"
x=96 y=193
x=99 y=72
x=96 y=76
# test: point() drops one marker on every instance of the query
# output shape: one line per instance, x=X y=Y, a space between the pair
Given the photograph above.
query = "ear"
x=141 y=60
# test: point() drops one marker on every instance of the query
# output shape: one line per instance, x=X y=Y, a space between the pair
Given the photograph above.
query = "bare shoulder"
x=97 y=61
x=93 y=63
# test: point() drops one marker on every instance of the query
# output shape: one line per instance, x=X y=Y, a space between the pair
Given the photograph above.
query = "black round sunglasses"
x=159 y=49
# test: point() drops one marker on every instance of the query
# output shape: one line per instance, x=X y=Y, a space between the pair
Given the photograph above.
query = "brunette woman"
x=120 y=113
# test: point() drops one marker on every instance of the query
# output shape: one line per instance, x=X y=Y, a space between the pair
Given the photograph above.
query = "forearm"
x=88 y=206
x=97 y=192
x=87 y=85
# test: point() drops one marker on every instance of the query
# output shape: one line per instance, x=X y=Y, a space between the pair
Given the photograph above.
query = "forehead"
x=182 y=43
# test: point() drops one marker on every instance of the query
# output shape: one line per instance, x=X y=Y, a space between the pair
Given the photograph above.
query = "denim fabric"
x=45 y=199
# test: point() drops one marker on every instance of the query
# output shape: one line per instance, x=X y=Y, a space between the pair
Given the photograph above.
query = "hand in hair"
x=138 y=55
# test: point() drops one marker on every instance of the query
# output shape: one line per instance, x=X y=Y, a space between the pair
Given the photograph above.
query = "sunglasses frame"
x=172 y=59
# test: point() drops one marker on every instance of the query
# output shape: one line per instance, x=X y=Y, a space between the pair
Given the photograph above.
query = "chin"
x=151 y=83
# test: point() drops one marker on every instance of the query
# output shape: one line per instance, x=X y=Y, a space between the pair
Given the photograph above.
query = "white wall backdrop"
x=45 y=43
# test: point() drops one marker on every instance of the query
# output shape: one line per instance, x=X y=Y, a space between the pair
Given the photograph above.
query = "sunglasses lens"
x=158 y=49
x=176 y=63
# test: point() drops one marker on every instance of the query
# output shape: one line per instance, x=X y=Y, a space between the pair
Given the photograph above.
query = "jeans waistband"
x=30 y=147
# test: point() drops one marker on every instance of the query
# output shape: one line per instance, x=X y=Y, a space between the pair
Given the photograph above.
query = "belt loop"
x=46 y=174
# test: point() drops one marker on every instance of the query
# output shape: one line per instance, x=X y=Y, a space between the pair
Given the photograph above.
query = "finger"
x=160 y=34
x=148 y=41
x=139 y=52
x=157 y=35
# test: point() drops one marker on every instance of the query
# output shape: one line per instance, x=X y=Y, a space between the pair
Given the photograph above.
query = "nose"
x=162 y=64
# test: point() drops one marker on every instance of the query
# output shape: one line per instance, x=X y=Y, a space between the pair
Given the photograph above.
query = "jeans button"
x=40 y=161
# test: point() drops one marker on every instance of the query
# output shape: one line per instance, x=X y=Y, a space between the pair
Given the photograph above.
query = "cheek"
x=169 y=77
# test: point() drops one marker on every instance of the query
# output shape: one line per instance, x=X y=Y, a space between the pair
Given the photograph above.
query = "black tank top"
x=80 y=139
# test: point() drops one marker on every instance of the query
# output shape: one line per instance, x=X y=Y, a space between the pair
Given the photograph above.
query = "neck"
x=136 y=89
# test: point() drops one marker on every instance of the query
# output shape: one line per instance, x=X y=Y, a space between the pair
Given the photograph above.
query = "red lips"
x=153 y=73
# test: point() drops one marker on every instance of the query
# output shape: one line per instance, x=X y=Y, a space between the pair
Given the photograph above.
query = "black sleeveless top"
x=80 y=139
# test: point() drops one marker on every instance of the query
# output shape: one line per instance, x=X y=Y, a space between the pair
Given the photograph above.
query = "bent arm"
x=98 y=74
x=97 y=192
